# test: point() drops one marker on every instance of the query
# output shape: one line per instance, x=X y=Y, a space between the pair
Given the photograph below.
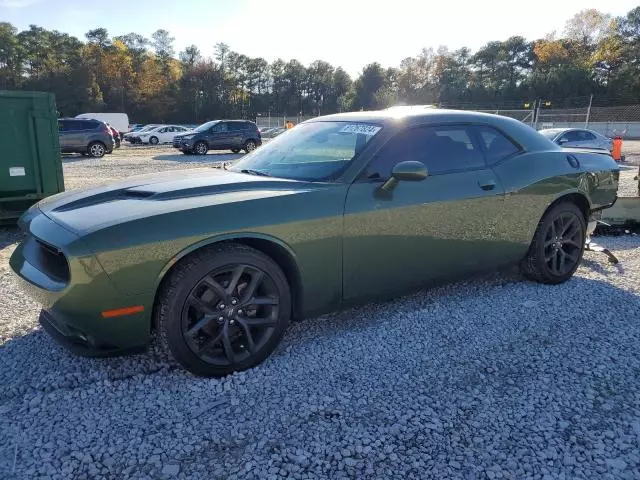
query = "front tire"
x=235 y=150
x=96 y=149
x=200 y=148
x=558 y=245
x=153 y=140
x=223 y=309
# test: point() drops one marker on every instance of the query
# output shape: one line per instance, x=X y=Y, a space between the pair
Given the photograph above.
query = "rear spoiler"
x=601 y=151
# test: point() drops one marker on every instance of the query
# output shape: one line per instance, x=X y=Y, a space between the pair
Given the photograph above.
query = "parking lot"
x=494 y=377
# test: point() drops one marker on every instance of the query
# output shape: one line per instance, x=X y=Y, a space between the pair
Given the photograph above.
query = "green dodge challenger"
x=339 y=210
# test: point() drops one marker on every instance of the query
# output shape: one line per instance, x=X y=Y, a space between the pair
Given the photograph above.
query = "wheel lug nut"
x=221 y=319
x=221 y=306
x=231 y=322
x=234 y=301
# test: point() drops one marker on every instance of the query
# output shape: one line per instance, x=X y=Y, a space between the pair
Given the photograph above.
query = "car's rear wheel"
x=96 y=149
x=200 y=148
x=223 y=309
x=153 y=140
x=235 y=150
x=249 y=146
x=558 y=245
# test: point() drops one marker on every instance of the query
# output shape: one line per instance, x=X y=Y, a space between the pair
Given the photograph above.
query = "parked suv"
x=89 y=137
x=234 y=135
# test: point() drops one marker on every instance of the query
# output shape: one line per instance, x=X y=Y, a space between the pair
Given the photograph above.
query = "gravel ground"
x=491 y=378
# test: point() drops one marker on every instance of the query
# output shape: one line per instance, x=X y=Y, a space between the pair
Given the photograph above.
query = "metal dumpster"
x=30 y=161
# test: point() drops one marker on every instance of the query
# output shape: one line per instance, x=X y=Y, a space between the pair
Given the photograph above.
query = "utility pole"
x=586 y=123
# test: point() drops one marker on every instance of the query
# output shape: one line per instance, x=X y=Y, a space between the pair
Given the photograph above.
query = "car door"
x=165 y=134
x=78 y=134
x=441 y=226
x=237 y=132
x=64 y=135
x=219 y=137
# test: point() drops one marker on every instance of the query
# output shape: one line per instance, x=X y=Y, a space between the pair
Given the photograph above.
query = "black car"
x=234 y=135
x=88 y=137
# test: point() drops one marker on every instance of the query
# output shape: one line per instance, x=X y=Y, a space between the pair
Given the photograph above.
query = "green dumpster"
x=30 y=162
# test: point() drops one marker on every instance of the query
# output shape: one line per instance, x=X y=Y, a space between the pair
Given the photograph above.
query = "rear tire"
x=235 y=150
x=249 y=146
x=557 y=247
x=96 y=149
x=223 y=309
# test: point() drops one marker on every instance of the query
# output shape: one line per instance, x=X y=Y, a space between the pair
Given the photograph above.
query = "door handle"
x=488 y=185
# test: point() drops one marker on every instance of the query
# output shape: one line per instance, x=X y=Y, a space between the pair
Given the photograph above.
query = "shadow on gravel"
x=599 y=268
x=9 y=235
x=34 y=362
x=209 y=158
x=73 y=158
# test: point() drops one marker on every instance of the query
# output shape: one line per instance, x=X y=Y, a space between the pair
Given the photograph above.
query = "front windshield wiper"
x=255 y=172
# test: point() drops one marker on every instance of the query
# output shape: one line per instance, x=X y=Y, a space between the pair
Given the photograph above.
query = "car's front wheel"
x=558 y=245
x=200 y=148
x=153 y=140
x=235 y=150
x=96 y=149
x=223 y=309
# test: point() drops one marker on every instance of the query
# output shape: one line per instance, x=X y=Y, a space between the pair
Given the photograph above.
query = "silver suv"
x=88 y=137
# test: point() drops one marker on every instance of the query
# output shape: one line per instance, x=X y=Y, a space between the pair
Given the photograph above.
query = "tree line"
x=595 y=55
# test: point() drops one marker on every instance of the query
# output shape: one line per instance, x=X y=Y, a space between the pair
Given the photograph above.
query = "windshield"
x=310 y=151
x=205 y=126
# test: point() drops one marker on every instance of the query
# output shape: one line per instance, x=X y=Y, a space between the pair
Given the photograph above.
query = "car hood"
x=85 y=211
x=184 y=134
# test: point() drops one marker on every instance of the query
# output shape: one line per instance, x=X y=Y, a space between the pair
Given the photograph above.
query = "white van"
x=119 y=121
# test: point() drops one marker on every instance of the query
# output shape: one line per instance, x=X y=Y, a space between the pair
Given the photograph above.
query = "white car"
x=578 y=137
x=133 y=137
x=161 y=134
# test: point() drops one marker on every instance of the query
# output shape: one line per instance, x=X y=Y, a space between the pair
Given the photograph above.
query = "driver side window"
x=443 y=149
x=219 y=127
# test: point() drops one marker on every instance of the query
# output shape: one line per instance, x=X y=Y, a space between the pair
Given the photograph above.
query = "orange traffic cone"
x=617 y=148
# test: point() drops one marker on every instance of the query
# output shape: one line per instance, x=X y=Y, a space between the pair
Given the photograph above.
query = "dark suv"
x=234 y=135
x=88 y=137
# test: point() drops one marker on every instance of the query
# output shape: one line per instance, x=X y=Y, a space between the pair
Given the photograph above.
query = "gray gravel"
x=490 y=378
x=628 y=182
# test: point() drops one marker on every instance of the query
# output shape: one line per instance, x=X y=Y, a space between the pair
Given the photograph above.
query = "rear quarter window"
x=495 y=144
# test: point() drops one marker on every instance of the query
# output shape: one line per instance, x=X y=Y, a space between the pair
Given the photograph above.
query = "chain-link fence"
x=268 y=121
x=610 y=121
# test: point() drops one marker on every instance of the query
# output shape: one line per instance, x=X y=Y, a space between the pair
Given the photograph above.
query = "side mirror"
x=409 y=171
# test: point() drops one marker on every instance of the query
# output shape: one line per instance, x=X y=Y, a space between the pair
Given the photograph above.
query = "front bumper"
x=73 y=303
x=79 y=343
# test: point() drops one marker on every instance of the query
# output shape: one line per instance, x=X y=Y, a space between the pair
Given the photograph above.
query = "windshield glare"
x=205 y=126
x=310 y=151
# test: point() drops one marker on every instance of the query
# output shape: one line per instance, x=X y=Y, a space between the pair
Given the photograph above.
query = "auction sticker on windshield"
x=360 y=128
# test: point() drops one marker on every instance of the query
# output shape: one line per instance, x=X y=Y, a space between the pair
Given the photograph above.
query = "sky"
x=347 y=33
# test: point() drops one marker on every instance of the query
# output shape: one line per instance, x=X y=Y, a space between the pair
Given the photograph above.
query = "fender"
x=222 y=238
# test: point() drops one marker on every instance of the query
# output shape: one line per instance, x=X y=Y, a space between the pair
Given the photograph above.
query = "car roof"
x=395 y=118
x=81 y=119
